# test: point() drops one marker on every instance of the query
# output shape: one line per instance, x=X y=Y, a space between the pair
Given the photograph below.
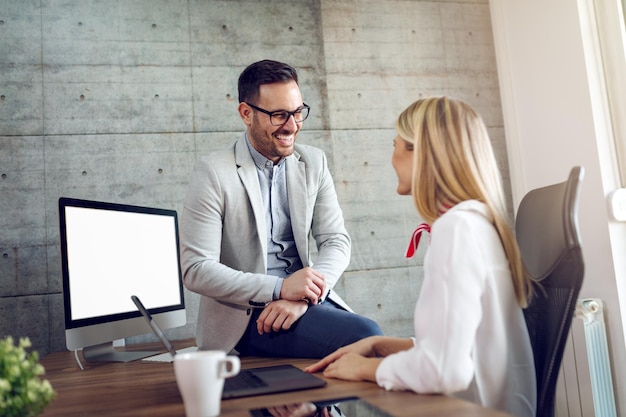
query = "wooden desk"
x=149 y=389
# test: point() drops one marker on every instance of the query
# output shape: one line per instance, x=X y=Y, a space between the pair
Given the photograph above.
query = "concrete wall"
x=114 y=100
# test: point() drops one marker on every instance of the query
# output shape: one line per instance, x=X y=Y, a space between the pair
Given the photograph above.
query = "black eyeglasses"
x=279 y=118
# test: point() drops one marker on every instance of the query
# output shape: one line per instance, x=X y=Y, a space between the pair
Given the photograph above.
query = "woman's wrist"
x=383 y=346
x=377 y=346
x=369 y=368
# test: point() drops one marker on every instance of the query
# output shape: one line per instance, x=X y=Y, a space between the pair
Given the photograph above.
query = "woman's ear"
x=245 y=112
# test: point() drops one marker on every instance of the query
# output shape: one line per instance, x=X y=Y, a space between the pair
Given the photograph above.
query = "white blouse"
x=471 y=339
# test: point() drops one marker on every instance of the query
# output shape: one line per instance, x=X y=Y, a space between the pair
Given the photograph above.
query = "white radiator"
x=590 y=310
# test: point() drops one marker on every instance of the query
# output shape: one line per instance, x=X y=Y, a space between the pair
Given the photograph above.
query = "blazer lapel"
x=250 y=180
x=298 y=207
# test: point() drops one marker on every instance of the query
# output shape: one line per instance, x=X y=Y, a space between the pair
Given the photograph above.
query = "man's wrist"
x=277 y=288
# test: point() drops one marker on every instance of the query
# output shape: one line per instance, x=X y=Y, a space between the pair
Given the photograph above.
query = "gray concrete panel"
x=22 y=184
x=56 y=316
x=21 y=105
x=113 y=99
x=26 y=316
x=386 y=295
x=20 y=268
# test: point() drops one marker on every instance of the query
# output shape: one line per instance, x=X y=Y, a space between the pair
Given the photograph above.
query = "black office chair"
x=546 y=228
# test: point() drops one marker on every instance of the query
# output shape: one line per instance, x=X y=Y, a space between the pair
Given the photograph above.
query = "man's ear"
x=245 y=112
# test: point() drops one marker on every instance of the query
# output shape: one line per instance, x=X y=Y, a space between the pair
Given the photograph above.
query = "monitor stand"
x=105 y=352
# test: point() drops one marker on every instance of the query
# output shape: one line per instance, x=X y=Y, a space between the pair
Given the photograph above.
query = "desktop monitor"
x=110 y=252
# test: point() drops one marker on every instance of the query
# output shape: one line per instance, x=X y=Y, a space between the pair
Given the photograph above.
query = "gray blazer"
x=223 y=236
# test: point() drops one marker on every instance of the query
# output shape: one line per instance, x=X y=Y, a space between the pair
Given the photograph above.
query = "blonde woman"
x=470 y=338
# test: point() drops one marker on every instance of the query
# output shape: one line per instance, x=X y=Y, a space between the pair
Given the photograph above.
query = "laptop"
x=248 y=382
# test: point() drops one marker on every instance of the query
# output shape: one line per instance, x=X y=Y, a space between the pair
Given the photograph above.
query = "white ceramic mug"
x=200 y=377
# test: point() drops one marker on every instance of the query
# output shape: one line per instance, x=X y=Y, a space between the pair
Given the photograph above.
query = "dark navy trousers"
x=320 y=331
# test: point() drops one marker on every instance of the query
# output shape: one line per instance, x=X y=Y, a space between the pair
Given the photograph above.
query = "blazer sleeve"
x=327 y=226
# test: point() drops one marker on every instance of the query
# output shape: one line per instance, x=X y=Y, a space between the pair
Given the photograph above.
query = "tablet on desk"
x=336 y=407
x=269 y=380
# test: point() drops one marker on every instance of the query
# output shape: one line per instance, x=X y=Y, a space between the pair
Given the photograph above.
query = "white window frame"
x=610 y=21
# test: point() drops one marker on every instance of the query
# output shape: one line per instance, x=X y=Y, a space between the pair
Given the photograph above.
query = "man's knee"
x=365 y=327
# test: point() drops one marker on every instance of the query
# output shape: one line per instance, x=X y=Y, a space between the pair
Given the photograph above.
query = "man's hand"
x=280 y=315
x=305 y=284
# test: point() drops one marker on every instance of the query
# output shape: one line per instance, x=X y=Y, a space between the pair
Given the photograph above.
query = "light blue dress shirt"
x=282 y=253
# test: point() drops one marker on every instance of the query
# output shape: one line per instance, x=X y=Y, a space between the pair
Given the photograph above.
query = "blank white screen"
x=113 y=255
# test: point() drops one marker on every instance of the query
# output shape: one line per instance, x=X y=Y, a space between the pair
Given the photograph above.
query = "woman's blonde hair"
x=453 y=161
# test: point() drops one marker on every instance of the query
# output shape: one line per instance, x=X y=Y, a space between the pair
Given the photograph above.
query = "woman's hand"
x=353 y=367
x=363 y=347
x=370 y=347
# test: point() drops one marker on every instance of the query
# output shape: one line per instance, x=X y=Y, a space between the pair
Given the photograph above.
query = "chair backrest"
x=546 y=229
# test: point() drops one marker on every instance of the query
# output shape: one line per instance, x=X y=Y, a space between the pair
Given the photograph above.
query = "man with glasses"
x=246 y=225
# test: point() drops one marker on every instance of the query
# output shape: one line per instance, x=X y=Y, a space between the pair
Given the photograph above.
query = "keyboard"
x=244 y=379
x=167 y=357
